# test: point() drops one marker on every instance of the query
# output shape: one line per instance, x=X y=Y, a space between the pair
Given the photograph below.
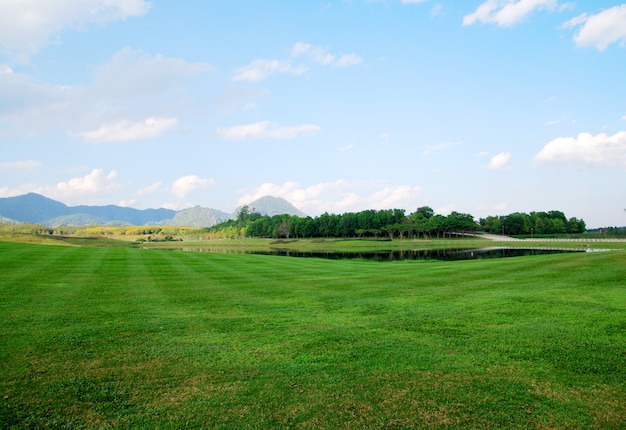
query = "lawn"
x=120 y=337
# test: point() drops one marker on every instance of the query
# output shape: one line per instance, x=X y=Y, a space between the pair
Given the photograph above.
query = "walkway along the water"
x=499 y=238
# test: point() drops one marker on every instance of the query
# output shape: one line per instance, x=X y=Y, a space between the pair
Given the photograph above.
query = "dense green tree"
x=425 y=211
x=516 y=223
x=395 y=223
x=491 y=224
x=460 y=222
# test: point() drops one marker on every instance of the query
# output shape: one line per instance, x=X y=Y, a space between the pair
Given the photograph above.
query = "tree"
x=436 y=225
x=460 y=222
x=420 y=219
x=491 y=224
x=516 y=224
x=327 y=225
x=282 y=229
x=243 y=213
x=347 y=224
x=425 y=211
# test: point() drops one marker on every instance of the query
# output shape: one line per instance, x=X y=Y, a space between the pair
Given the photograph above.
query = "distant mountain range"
x=36 y=209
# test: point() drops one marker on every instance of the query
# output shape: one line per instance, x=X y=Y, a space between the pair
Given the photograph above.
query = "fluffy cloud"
x=125 y=130
x=260 y=69
x=602 y=29
x=321 y=55
x=28 y=24
x=499 y=161
x=93 y=188
x=94 y=182
x=265 y=130
x=152 y=188
x=506 y=13
x=185 y=185
x=598 y=150
x=131 y=84
x=132 y=72
x=339 y=196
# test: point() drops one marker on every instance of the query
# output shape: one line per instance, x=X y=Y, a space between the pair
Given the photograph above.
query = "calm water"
x=431 y=254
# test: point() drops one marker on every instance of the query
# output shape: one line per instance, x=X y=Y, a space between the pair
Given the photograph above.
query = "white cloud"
x=499 y=161
x=602 y=29
x=133 y=72
x=413 y=1
x=26 y=164
x=152 y=188
x=394 y=197
x=318 y=54
x=127 y=203
x=506 y=13
x=29 y=24
x=125 y=130
x=93 y=182
x=93 y=188
x=261 y=69
x=598 y=150
x=348 y=60
x=132 y=84
x=17 y=191
x=265 y=130
x=552 y=122
x=321 y=55
x=185 y=185
x=339 y=196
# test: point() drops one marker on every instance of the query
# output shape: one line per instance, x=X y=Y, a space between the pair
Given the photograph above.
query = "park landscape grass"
x=122 y=337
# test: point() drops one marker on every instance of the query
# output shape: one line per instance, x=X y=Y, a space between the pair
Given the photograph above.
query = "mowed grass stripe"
x=141 y=338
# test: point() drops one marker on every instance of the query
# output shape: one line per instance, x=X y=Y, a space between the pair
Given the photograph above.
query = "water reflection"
x=396 y=255
x=430 y=254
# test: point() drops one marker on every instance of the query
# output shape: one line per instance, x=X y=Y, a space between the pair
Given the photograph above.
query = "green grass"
x=118 y=337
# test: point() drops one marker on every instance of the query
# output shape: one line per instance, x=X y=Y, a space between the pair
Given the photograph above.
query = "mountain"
x=37 y=209
x=198 y=217
x=31 y=208
x=271 y=206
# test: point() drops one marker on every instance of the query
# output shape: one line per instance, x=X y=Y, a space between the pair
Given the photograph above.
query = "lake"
x=397 y=255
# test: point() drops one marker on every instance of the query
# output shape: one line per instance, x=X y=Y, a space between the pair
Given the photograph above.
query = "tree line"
x=393 y=223
x=534 y=223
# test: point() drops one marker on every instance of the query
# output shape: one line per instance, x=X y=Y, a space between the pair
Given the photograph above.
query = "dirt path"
x=498 y=238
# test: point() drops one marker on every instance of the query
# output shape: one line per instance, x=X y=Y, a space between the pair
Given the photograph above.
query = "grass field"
x=120 y=337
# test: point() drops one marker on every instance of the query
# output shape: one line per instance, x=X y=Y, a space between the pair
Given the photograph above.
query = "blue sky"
x=483 y=107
